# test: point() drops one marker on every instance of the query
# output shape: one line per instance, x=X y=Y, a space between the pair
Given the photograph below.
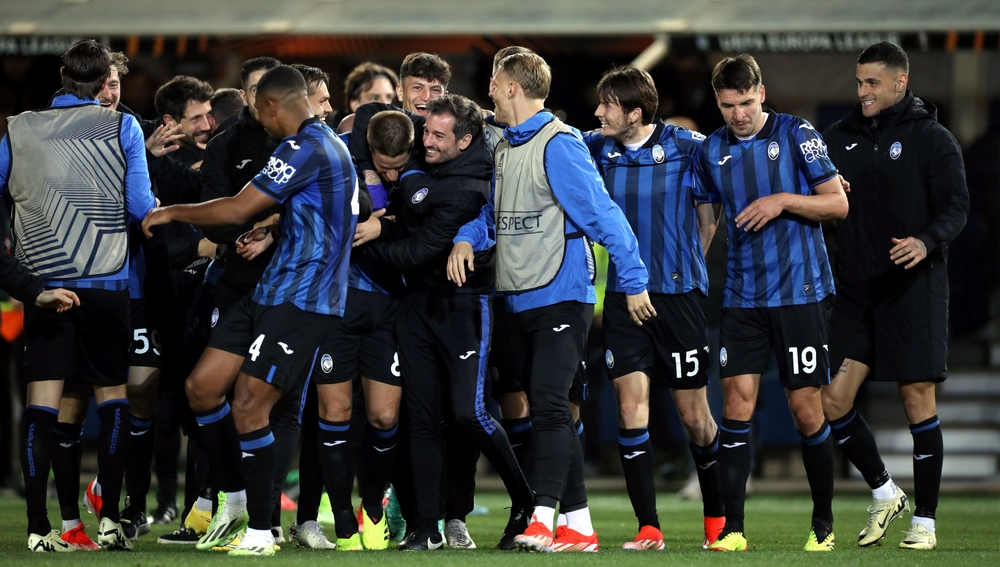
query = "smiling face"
x=500 y=92
x=319 y=100
x=743 y=112
x=879 y=87
x=111 y=93
x=414 y=92
x=616 y=123
x=440 y=144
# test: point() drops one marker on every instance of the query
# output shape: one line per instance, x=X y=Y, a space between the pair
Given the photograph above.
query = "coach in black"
x=443 y=331
x=908 y=200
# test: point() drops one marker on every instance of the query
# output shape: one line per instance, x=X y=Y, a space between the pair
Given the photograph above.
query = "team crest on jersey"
x=658 y=154
x=813 y=149
x=723 y=356
x=609 y=359
x=895 y=150
x=215 y=316
x=418 y=196
x=773 y=150
x=326 y=364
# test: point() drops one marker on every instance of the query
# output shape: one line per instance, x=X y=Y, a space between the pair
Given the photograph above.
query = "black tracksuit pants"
x=443 y=347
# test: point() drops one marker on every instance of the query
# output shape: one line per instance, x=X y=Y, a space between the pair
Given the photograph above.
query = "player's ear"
x=464 y=142
x=169 y=121
x=762 y=93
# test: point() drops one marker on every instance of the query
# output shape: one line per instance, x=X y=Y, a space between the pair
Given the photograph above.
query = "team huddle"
x=438 y=254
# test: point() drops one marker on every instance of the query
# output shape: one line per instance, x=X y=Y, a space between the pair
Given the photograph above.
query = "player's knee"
x=383 y=418
x=198 y=397
x=834 y=406
x=629 y=415
x=738 y=407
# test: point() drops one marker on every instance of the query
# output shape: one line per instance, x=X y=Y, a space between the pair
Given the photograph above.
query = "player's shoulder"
x=795 y=124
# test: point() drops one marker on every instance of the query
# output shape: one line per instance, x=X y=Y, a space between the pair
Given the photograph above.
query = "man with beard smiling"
x=443 y=331
x=186 y=101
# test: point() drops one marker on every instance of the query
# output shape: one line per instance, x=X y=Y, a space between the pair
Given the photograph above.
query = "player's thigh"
x=253 y=400
x=744 y=341
x=382 y=403
x=628 y=347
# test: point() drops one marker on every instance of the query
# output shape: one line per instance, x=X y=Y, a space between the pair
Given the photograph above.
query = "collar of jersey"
x=763 y=134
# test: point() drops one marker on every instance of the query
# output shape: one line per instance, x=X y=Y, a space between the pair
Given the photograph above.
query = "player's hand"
x=59 y=299
x=461 y=257
x=845 y=184
x=369 y=230
x=207 y=248
x=254 y=243
x=909 y=251
x=760 y=212
x=161 y=141
x=640 y=308
x=156 y=217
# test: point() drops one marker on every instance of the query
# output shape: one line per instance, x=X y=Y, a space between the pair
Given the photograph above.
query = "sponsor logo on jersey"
x=851 y=147
x=895 y=150
x=658 y=155
x=419 y=196
x=326 y=364
x=518 y=222
x=724 y=160
x=278 y=171
x=243 y=163
x=813 y=149
x=773 y=150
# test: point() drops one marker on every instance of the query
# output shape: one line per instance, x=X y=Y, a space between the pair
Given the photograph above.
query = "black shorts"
x=278 y=342
x=362 y=343
x=796 y=334
x=145 y=350
x=899 y=330
x=671 y=348
x=87 y=344
x=504 y=375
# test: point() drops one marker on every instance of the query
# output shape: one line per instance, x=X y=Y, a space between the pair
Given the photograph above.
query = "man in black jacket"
x=443 y=331
x=908 y=200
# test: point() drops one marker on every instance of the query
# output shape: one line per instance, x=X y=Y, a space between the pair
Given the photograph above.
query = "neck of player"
x=638 y=134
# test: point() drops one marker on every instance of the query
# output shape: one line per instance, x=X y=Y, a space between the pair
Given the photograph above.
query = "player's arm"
x=476 y=235
x=138 y=192
x=828 y=202
x=237 y=210
x=708 y=222
x=216 y=184
x=949 y=194
x=578 y=187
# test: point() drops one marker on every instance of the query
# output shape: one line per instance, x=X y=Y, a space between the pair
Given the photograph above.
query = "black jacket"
x=235 y=157
x=16 y=280
x=434 y=203
x=907 y=179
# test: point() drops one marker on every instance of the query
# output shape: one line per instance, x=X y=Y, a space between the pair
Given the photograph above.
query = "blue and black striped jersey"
x=785 y=263
x=311 y=174
x=657 y=189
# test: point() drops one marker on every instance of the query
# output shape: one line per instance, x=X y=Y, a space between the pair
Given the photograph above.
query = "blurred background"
x=806 y=50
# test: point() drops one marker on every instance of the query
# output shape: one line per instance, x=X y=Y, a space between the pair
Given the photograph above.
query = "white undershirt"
x=755 y=135
x=641 y=143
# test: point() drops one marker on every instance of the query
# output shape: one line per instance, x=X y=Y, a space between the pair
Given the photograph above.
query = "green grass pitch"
x=968 y=534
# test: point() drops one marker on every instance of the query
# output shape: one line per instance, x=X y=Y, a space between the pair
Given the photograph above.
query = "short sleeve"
x=289 y=170
x=812 y=153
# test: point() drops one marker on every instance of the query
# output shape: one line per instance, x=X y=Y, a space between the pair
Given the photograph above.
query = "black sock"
x=707 y=465
x=222 y=444
x=734 y=457
x=66 y=453
x=521 y=440
x=258 y=460
x=140 y=459
x=310 y=477
x=378 y=449
x=36 y=439
x=857 y=441
x=337 y=467
x=112 y=455
x=928 y=458
x=636 y=454
x=817 y=456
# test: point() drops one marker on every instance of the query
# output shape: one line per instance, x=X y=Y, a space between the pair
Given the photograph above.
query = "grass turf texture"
x=777 y=527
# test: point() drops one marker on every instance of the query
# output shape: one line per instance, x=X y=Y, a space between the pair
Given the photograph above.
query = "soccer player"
x=370 y=82
x=648 y=168
x=319 y=90
x=772 y=175
x=544 y=270
x=186 y=101
x=265 y=343
x=76 y=151
x=890 y=319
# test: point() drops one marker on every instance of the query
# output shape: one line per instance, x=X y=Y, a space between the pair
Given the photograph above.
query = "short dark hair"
x=530 y=71
x=256 y=64
x=629 y=87
x=313 y=76
x=281 y=82
x=427 y=66
x=86 y=65
x=390 y=133
x=889 y=54
x=361 y=77
x=468 y=115
x=120 y=62
x=172 y=98
x=740 y=73
x=226 y=103
x=509 y=50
